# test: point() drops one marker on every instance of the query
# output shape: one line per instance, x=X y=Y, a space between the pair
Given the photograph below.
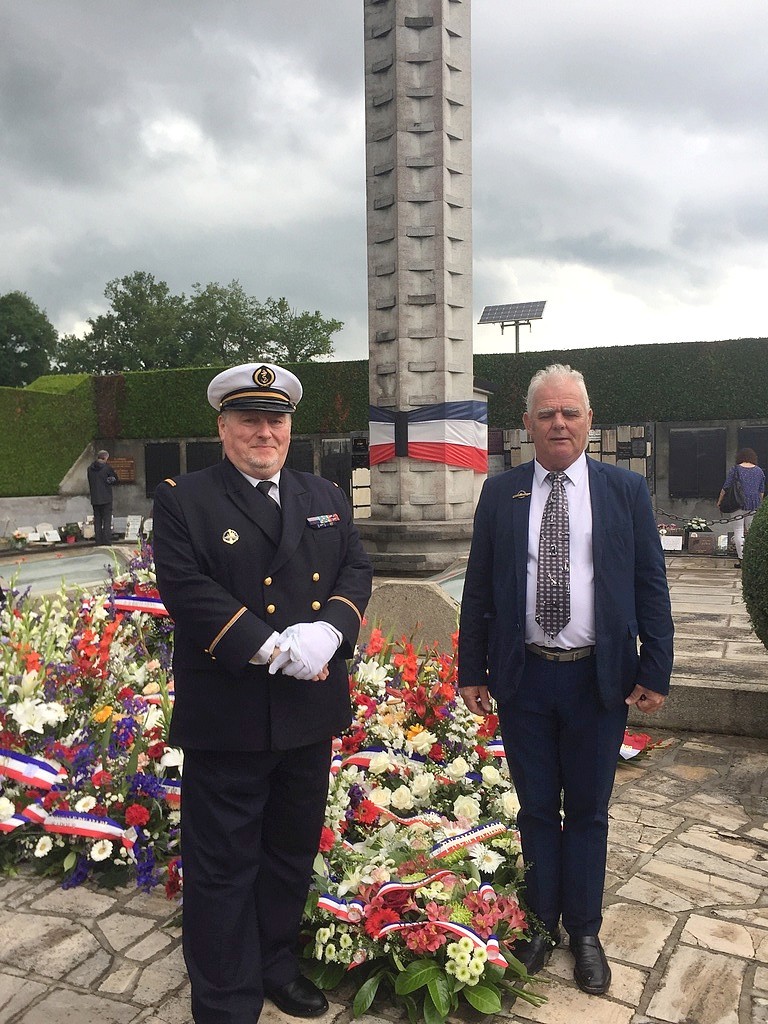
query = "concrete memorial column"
x=428 y=429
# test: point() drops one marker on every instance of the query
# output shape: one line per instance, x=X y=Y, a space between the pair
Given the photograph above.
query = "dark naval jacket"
x=228 y=585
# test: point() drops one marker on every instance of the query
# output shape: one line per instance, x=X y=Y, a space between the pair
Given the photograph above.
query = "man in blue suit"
x=565 y=574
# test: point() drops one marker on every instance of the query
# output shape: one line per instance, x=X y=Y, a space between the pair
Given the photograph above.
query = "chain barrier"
x=708 y=522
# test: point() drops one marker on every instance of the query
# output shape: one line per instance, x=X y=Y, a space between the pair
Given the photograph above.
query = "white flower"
x=457 y=769
x=402 y=799
x=423 y=742
x=44 y=846
x=372 y=673
x=173 y=757
x=491 y=775
x=85 y=804
x=380 y=763
x=54 y=713
x=422 y=785
x=510 y=805
x=466 y=807
x=101 y=850
x=487 y=861
x=29 y=715
x=7 y=808
x=380 y=797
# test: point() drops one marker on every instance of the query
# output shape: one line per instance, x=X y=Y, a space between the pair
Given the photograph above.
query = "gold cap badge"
x=230 y=537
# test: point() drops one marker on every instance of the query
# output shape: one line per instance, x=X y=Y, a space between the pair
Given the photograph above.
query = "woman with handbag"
x=746 y=478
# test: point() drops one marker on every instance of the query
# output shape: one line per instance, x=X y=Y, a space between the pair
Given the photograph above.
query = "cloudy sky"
x=620 y=160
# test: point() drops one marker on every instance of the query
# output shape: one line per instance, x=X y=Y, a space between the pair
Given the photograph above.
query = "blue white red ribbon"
x=491 y=946
x=352 y=911
x=90 y=826
x=132 y=603
x=453 y=433
x=12 y=823
x=39 y=772
x=476 y=834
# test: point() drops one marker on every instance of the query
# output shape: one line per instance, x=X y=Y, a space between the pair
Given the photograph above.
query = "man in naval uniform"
x=265 y=577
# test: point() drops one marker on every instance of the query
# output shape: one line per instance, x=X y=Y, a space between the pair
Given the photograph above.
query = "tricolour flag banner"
x=452 y=433
x=38 y=772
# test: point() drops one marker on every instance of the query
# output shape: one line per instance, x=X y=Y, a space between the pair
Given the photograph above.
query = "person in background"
x=266 y=579
x=752 y=480
x=565 y=574
x=101 y=480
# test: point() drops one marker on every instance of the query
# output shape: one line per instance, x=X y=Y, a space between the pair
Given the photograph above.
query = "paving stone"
x=59 y=1007
x=175 y=1010
x=699 y=986
x=759 y=1011
x=86 y=973
x=75 y=903
x=692 y=773
x=700 y=888
x=643 y=890
x=720 y=936
x=635 y=934
x=16 y=993
x=728 y=845
x=715 y=810
x=149 y=947
x=761 y=979
x=158 y=981
x=121 y=930
x=48 y=946
x=121 y=980
x=567 y=1004
x=685 y=856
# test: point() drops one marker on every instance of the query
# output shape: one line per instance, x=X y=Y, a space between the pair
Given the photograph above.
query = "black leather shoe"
x=592 y=973
x=534 y=953
x=299 y=998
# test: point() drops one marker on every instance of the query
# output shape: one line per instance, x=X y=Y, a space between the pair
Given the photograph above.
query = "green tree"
x=297 y=337
x=147 y=327
x=27 y=340
x=140 y=331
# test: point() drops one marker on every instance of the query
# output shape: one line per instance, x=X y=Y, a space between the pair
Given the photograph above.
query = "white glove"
x=305 y=648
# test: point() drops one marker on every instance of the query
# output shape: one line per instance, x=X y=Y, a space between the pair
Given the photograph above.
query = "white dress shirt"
x=579 y=631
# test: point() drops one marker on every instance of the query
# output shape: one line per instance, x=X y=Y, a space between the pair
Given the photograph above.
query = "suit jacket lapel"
x=295 y=504
x=598 y=497
x=520 y=500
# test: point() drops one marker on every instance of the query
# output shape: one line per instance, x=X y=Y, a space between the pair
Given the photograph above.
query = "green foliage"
x=148 y=328
x=754 y=573
x=27 y=340
x=36 y=452
x=691 y=381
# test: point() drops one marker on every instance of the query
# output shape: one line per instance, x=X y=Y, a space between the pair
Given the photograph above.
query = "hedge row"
x=689 y=382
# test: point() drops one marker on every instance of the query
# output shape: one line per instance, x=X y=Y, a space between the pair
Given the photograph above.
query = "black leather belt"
x=558 y=653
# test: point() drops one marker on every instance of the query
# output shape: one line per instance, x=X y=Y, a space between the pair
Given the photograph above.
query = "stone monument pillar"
x=428 y=431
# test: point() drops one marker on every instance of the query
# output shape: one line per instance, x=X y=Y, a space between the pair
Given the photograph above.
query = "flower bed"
x=418 y=874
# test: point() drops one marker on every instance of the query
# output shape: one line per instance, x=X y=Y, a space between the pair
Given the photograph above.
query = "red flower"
x=425 y=939
x=375 y=643
x=135 y=814
x=436 y=752
x=367 y=812
x=156 y=750
x=378 y=919
x=101 y=778
x=327 y=839
x=489 y=727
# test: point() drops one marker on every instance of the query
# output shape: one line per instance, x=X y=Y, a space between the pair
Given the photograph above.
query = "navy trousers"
x=562 y=746
x=251 y=824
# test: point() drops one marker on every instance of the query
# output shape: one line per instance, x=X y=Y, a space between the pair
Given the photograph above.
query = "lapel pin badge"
x=521 y=494
x=230 y=537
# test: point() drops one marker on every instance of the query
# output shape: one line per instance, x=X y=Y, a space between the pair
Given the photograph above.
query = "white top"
x=579 y=631
x=274 y=491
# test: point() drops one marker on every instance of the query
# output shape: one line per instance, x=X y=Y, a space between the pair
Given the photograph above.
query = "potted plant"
x=18 y=540
x=71 y=532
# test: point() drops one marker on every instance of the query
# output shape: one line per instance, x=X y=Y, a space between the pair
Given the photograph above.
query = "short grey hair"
x=555 y=371
x=103 y=454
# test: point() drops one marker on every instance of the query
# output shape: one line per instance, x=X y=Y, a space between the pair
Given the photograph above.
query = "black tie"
x=553 y=589
x=272 y=514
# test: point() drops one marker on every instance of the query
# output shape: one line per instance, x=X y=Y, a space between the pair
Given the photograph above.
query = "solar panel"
x=512 y=312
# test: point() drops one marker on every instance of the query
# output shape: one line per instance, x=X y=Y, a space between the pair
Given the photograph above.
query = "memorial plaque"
x=623 y=449
x=125 y=468
x=701 y=543
x=638 y=448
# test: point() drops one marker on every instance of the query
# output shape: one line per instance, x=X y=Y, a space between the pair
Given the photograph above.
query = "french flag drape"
x=454 y=433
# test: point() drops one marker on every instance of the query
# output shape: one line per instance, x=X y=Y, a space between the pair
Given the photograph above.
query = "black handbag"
x=733 y=496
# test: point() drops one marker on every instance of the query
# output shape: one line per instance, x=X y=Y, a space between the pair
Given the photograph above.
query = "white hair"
x=555 y=371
